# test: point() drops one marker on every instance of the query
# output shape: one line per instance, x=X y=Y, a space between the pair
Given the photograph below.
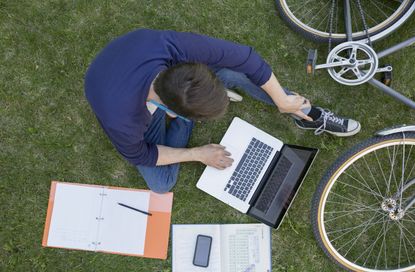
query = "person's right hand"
x=213 y=155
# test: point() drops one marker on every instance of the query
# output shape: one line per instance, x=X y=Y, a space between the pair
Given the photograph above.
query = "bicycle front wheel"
x=362 y=214
x=312 y=18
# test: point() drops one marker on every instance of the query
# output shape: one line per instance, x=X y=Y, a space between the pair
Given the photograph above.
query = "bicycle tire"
x=328 y=180
x=377 y=32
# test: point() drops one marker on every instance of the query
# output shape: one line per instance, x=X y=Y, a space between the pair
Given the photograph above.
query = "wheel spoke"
x=371 y=174
x=403 y=227
x=359 y=189
x=402 y=174
x=372 y=246
x=407 y=159
x=315 y=16
x=363 y=183
x=352 y=228
x=327 y=16
x=400 y=246
x=381 y=10
x=343 y=215
x=392 y=171
x=386 y=229
x=365 y=225
x=406 y=251
x=368 y=208
x=357 y=237
x=383 y=173
x=410 y=172
x=352 y=202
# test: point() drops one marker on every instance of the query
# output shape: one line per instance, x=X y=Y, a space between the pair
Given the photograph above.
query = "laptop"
x=264 y=177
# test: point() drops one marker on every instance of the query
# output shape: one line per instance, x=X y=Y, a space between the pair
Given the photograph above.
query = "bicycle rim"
x=312 y=17
x=352 y=225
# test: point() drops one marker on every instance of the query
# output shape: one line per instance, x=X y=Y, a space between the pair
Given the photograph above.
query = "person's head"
x=193 y=91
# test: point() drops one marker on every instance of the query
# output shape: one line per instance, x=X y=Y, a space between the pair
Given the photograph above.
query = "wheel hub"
x=389 y=205
x=397 y=214
x=359 y=63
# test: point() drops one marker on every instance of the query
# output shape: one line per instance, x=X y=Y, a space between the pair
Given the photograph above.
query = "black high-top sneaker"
x=330 y=123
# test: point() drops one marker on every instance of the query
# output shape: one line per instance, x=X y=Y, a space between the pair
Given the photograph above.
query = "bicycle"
x=363 y=211
x=353 y=61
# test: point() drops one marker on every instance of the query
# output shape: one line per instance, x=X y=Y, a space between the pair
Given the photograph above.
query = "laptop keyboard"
x=249 y=167
x=274 y=183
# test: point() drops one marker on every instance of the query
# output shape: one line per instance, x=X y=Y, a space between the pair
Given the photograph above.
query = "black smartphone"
x=202 y=251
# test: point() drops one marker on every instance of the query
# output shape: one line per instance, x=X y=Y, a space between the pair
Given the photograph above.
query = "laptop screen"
x=307 y=155
x=291 y=178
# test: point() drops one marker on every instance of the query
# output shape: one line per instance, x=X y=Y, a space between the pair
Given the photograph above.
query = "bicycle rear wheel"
x=312 y=18
x=361 y=216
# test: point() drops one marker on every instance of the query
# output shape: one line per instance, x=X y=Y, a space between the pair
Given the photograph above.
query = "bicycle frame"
x=411 y=201
x=348 y=20
x=386 y=89
x=348 y=63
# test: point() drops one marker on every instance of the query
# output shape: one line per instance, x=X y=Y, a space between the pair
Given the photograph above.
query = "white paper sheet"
x=73 y=222
x=123 y=230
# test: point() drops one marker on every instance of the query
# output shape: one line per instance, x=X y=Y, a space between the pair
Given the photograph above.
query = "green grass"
x=48 y=132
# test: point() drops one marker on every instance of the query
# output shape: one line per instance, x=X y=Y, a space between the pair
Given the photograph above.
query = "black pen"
x=137 y=210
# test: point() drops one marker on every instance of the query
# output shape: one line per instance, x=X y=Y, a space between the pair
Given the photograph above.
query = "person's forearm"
x=169 y=155
x=292 y=103
x=273 y=88
x=211 y=154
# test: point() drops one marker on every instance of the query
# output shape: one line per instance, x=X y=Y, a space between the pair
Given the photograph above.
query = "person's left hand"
x=294 y=104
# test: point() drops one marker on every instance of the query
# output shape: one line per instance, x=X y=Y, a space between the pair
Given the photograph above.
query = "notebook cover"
x=158 y=225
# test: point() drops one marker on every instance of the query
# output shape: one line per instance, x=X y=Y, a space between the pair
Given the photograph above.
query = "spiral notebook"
x=89 y=217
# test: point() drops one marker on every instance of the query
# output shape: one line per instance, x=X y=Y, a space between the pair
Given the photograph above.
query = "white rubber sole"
x=233 y=96
x=338 y=134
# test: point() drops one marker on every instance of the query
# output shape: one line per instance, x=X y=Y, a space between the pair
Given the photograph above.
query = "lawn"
x=48 y=131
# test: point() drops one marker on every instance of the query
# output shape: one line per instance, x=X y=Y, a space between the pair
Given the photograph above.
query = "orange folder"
x=88 y=217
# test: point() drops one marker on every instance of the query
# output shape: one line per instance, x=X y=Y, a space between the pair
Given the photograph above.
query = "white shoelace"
x=328 y=116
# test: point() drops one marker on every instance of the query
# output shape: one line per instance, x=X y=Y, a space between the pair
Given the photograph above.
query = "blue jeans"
x=161 y=179
x=232 y=80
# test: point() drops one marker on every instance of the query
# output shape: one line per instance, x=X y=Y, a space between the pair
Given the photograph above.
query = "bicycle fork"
x=390 y=205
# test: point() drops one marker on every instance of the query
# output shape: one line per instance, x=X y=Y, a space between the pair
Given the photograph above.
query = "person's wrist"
x=195 y=154
x=282 y=102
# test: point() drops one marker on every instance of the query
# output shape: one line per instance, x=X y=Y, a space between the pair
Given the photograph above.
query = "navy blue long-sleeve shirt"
x=118 y=81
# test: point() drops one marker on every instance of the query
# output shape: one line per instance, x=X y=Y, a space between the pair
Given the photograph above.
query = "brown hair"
x=192 y=90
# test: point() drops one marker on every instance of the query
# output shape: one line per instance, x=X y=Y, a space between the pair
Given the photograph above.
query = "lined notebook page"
x=184 y=243
x=123 y=230
x=74 y=220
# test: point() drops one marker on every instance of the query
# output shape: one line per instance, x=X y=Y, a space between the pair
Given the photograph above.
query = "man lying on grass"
x=140 y=77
